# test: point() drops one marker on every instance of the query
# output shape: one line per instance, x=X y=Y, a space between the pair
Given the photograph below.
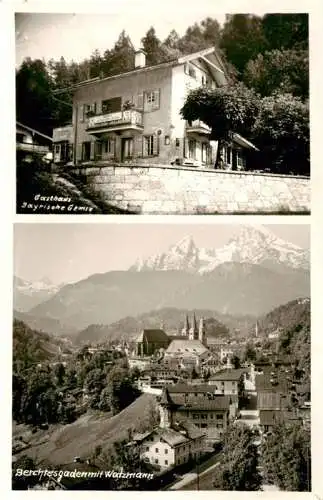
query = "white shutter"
x=140 y=101
x=156 y=144
x=81 y=111
x=79 y=152
x=92 y=150
x=156 y=99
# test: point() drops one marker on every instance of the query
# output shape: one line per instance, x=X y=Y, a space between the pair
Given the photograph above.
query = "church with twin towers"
x=192 y=339
x=194 y=332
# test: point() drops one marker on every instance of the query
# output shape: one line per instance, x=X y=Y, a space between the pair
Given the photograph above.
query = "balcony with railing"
x=197 y=127
x=116 y=121
x=32 y=148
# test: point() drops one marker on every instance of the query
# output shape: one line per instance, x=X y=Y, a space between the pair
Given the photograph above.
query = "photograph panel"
x=179 y=362
x=202 y=113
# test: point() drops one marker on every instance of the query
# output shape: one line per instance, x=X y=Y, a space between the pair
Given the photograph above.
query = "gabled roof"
x=217 y=402
x=206 y=405
x=178 y=337
x=190 y=388
x=183 y=396
x=272 y=400
x=273 y=417
x=34 y=131
x=165 y=398
x=271 y=383
x=184 y=346
x=152 y=335
x=209 y=56
x=229 y=375
x=179 y=433
x=173 y=437
x=212 y=59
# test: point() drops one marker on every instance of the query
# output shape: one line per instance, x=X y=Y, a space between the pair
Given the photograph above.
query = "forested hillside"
x=286 y=316
x=31 y=347
x=49 y=388
x=294 y=323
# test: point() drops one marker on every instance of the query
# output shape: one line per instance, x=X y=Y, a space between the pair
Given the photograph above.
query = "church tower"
x=194 y=333
x=165 y=410
x=186 y=329
x=202 y=332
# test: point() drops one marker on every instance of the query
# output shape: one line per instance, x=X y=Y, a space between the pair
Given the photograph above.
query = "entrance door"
x=126 y=148
x=86 y=151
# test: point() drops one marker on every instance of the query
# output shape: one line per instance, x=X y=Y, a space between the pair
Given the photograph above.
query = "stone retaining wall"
x=163 y=189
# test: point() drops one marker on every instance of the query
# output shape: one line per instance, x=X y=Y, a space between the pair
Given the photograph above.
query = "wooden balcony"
x=117 y=121
x=32 y=148
x=198 y=127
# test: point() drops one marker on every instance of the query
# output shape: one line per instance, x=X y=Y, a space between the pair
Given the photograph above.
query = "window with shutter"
x=81 y=113
x=156 y=99
x=86 y=109
x=140 y=101
x=92 y=150
x=156 y=145
x=151 y=100
x=149 y=141
x=98 y=150
x=86 y=151
x=204 y=152
x=192 y=149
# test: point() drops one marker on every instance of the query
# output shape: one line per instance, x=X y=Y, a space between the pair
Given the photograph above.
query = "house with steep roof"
x=200 y=406
x=170 y=445
x=151 y=340
x=134 y=117
x=31 y=142
x=229 y=382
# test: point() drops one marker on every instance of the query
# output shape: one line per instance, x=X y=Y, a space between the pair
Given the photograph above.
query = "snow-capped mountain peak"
x=251 y=244
x=43 y=284
x=28 y=294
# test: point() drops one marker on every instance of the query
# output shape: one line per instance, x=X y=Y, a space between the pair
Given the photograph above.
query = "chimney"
x=140 y=58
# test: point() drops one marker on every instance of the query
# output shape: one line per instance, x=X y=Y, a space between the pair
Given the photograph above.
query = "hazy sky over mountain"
x=69 y=252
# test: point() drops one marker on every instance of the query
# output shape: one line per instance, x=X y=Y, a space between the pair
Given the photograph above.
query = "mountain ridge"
x=251 y=244
x=230 y=288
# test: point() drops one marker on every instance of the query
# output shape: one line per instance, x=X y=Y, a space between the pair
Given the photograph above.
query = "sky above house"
x=70 y=252
x=76 y=35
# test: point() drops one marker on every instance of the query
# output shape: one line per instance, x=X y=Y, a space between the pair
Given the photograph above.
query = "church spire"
x=202 y=334
x=186 y=328
x=194 y=333
x=165 y=410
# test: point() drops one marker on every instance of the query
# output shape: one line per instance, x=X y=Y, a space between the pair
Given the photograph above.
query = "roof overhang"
x=209 y=56
x=212 y=60
x=33 y=131
x=243 y=142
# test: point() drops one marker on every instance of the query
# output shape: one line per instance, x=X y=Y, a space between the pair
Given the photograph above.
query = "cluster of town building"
x=200 y=393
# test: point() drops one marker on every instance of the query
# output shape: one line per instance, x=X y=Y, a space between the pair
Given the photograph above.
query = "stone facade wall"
x=186 y=190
